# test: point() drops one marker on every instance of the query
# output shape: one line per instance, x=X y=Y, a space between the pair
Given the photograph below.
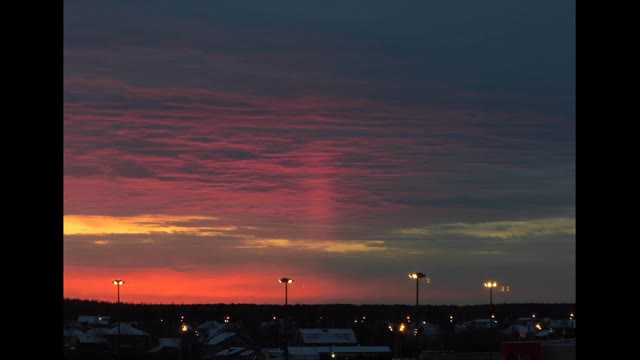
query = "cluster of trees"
x=328 y=315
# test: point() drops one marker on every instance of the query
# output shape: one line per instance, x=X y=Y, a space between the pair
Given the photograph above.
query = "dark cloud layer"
x=349 y=136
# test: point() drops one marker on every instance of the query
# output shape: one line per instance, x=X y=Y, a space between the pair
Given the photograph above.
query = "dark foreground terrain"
x=445 y=328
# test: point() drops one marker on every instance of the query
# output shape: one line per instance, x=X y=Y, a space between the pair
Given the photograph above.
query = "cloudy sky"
x=212 y=147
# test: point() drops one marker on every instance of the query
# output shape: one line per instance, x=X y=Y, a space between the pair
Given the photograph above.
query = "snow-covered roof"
x=235 y=351
x=561 y=342
x=73 y=332
x=94 y=319
x=315 y=350
x=96 y=332
x=166 y=343
x=125 y=329
x=563 y=323
x=273 y=353
x=70 y=324
x=543 y=333
x=360 y=349
x=526 y=320
x=272 y=350
x=328 y=336
x=92 y=340
x=220 y=338
x=169 y=342
x=208 y=334
x=303 y=350
x=211 y=324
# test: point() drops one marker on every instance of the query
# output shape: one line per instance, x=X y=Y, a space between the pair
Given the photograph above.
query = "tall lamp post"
x=118 y=283
x=490 y=284
x=286 y=282
x=417 y=276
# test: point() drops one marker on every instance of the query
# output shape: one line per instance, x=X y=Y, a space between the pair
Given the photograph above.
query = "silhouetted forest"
x=330 y=313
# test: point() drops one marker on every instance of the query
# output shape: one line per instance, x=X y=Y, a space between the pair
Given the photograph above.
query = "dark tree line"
x=316 y=316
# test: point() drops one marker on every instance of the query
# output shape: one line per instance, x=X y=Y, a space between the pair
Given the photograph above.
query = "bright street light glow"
x=491 y=284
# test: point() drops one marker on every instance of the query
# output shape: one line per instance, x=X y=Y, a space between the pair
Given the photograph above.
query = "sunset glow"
x=212 y=149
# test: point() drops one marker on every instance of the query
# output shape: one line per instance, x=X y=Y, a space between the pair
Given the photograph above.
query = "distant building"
x=319 y=337
x=210 y=329
x=235 y=353
x=475 y=325
x=220 y=342
x=94 y=320
x=340 y=352
x=334 y=344
x=128 y=337
x=529 y=327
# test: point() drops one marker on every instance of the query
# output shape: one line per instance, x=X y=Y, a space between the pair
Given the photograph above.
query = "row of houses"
x=523 y=327
x=212 y=341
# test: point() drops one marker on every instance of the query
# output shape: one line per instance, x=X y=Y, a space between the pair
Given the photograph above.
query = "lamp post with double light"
x=286 y=281
x=491 y=284
x=504 y=289
x=118 y=283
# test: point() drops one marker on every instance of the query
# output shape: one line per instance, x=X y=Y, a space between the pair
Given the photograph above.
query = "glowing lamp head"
x=491 y=284
x=286 y=280
x=417 y=275
x=118 y=282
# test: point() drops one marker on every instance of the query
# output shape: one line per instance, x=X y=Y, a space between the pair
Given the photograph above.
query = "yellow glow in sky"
x=142 y=224
x=329 y=246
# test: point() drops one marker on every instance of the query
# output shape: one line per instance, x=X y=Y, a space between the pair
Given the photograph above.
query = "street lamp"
x=118 y=283
x=417 y=276
x=491 y=284
x=504 y=289
x=286 y=282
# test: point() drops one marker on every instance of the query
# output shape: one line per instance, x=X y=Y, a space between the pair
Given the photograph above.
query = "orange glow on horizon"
x=211 y=287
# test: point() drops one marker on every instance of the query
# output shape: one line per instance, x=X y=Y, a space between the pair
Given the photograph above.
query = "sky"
x=213 y=147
